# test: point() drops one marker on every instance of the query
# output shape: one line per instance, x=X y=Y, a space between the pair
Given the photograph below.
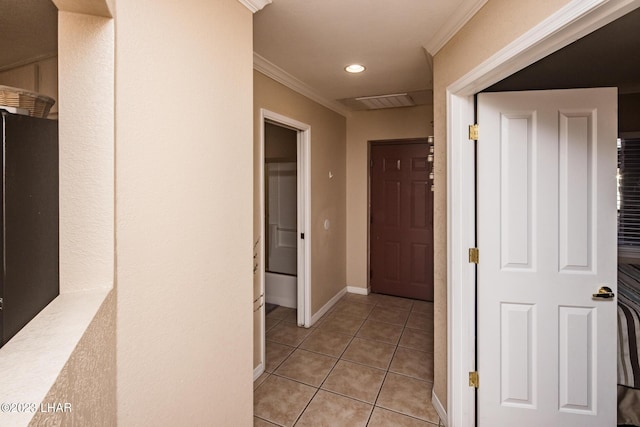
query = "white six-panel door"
x=547 y=240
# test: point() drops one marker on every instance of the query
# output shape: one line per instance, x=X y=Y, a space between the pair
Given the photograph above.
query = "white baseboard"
x=357 y=290
x=442 y=413
x=259 y=370
x=328 y=306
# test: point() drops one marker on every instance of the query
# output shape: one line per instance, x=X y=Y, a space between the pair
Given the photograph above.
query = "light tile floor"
x=367 y=362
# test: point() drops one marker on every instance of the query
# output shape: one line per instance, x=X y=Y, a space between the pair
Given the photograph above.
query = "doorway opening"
x=285 y=212
x=568 y=24
x=281 y=210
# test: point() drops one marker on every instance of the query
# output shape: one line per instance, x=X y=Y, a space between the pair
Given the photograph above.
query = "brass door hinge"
x=474 y=380
x=473 y=132
x=474 y=255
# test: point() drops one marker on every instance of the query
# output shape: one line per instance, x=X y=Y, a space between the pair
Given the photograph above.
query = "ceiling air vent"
x=387 y=101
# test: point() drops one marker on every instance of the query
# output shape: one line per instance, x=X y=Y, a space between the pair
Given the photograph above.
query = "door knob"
x=604 y=293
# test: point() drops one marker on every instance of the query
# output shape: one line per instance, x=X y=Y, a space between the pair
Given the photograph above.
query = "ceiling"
x=29 y=30
x=313 y=41
x=310 y=43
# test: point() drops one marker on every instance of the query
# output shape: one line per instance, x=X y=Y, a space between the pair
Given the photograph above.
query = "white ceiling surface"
x=28 y=30
x=309 y=41
x=314 y=40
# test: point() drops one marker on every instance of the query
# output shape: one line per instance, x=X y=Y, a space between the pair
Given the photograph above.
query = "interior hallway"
x=367 y=362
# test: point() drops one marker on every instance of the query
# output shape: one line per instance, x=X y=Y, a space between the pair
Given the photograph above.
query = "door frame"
x=424 y=140
x=573 y=21
x=304 y=214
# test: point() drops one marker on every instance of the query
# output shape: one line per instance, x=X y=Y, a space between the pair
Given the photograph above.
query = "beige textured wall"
x=497 y=24
x=184 y=212
x=328 y=197
x=362 y=127
x=88 y=380
x=86 y=48
x=86 y=89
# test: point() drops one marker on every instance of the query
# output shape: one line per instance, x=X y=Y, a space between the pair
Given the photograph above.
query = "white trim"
x=442 y=413
x=261 y=271
x=259 y=370
x=452 y=25
x=271 y=70
x=570 y=23
x=328 y=306
x=576 y=19
x=460 y=237
x=357 y=290
x=304 y=221
x=255 y=5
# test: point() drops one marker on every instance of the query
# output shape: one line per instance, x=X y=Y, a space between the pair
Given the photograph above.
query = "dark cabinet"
x=28 y=219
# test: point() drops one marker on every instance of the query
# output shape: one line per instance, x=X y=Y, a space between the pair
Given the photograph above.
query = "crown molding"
x=102 y=8
x=271 y=70
x=453 y=25
x=255 y=5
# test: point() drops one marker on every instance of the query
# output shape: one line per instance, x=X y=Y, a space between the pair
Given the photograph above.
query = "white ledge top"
x=32 y=360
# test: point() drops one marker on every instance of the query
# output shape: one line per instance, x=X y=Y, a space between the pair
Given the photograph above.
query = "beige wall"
x=86 y=48
x=88 y=380
x=328 y=197
x=86 y=154
x=362 y=127
x=497 y=24
x=184 y=212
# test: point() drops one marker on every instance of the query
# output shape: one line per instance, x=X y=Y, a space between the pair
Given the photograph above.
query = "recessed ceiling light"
x=354 y=68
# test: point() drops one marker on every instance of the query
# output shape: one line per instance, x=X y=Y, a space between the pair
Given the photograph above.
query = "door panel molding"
x=529 y=354
x=401 y=252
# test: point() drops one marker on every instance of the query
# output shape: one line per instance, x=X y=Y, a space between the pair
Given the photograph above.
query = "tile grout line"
x=322 y=382
x=386 y=374
x=352 y=336
x=331 y=370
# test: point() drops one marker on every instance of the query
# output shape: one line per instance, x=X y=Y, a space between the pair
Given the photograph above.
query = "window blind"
x=629 y=193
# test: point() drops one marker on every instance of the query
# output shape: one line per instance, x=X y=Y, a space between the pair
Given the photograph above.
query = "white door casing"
x=547 y=238
x=303 y=218
x=569 y=23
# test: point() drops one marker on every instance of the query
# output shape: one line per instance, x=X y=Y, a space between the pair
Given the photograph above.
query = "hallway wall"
x=362 y=127
x=328 y=152
x=497 y=24
x=183 y=212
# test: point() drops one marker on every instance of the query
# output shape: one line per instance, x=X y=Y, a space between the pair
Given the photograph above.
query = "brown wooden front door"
x=401 y=218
